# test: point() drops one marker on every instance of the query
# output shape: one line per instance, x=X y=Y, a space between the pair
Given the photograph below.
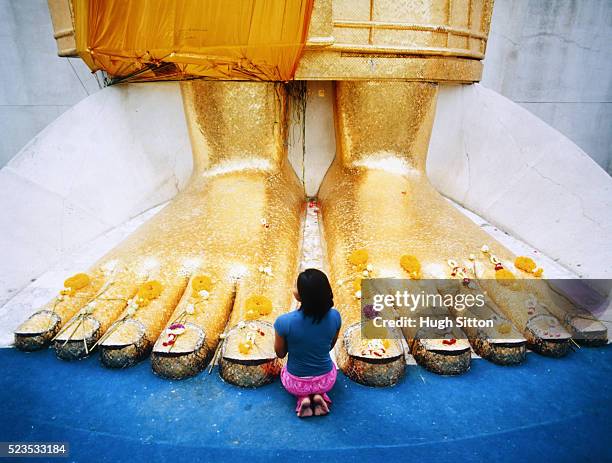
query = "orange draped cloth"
x=143 y=40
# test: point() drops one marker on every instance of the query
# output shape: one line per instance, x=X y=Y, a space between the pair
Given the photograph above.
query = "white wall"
x=495 y=158
x=36 y=86
x=114 y=155
x=554 y=58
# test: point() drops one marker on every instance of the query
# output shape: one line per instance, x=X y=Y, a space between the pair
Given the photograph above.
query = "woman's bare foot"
x=320 y=406
x=305 y=409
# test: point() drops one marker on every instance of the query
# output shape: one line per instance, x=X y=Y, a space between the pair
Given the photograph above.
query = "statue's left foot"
x=216 y=263
x=382 y=218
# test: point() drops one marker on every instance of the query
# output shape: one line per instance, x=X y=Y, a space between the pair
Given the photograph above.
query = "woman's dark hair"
x=316 y=294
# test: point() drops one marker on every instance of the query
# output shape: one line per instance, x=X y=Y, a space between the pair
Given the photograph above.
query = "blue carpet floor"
x=545 y=410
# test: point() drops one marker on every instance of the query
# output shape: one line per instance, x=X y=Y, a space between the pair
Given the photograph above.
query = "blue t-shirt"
x=308 y=343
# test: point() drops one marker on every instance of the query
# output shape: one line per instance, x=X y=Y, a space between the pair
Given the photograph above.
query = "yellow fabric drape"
x=218 y=39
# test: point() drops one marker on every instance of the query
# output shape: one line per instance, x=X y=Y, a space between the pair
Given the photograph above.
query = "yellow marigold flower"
x=201 y=283
x=251 y=314
x=525 y=264
x=149 y=290
x=245 y=346
x=412 y=265
x=538 y=273
x=358 y=257
x=76 y=282
x=357 y=284
x=386 y=343
x=506 y=278
x=259 y=304
x=504 y=274
x=142 y=301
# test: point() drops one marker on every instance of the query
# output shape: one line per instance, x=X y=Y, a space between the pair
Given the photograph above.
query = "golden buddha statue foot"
x=42 y=327
x=439 y=348
x=375 y=362
x=252 y=233
x=382 y=218
x=225 y=249
x=443 y=362
x=585 y=329
x=507 y=348
x=445 y=353
x=29 y=340
x=498 y=352
x=249 y=369
x=501 y=344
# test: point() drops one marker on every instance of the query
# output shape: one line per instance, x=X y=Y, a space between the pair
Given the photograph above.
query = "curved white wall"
x=114 y=155
x=503 y=163
x=554 y=58
x=36 y=86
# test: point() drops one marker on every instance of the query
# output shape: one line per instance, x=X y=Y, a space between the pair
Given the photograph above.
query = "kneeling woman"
x=308 y=334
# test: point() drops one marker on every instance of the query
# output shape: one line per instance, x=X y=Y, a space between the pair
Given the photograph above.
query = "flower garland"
x=79 y=318
x=376 y=340
x=249 y=340
x=201 y=287
x=461 y=272
x=376 y=343
x=361 y=269
x=173 y=332
x=256 y=305
x=71 y=286
x=503 y=276
x=146 y=292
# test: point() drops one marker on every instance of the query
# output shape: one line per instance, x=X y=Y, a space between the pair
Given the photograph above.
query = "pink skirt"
x=303 y=387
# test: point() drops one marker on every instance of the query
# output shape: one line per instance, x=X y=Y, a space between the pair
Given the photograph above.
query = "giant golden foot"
x=217 y=262
x=382 y=218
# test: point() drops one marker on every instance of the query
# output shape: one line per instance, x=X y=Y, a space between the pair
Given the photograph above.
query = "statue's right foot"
x=382 y=218
x=219 y=259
